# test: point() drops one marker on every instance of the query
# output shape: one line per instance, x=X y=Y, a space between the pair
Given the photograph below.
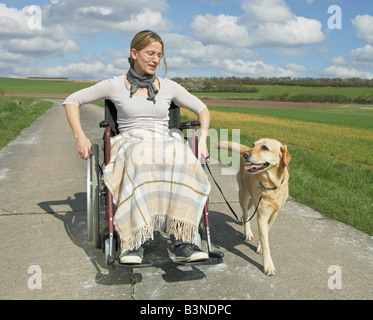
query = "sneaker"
x=132 y=257
x=189 y=253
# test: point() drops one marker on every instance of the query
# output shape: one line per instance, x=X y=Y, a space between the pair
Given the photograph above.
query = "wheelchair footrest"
x=215 y=257
x=117 y=265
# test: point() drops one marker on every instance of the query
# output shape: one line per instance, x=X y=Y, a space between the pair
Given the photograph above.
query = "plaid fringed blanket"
x=157 y=184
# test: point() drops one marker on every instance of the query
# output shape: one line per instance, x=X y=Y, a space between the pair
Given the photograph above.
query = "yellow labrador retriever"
x=263 y=177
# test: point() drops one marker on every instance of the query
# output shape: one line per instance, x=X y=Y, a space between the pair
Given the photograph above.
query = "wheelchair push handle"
x=190 y=124
x=104 y=124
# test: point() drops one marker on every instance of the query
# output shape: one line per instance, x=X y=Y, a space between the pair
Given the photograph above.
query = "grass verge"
x=17 y=114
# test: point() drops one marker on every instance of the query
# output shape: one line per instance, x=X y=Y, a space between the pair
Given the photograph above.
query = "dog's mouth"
x=254 y=167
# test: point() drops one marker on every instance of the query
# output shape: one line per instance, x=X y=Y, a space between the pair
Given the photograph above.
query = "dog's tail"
x=232 y=146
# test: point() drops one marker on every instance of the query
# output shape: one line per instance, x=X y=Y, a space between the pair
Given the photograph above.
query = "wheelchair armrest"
x=189 y=124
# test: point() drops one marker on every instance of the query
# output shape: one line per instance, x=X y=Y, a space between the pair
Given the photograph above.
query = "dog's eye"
x=253 y=145
x=264 y=148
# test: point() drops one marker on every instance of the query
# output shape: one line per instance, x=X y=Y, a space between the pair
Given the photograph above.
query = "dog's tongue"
x=252 y=166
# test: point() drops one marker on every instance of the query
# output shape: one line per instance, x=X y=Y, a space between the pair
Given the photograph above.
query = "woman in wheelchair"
x=156 y=181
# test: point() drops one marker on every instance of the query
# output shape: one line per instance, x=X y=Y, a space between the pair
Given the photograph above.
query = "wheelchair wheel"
x=93 y=198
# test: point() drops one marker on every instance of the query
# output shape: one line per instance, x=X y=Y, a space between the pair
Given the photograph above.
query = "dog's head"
x=266 y=154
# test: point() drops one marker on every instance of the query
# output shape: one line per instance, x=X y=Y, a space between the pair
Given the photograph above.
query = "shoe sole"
x=200 y=256
x=130 y=260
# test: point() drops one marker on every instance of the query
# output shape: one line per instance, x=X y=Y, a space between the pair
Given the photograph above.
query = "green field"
x=267 y=90
x=354 y=116
x=12 y=85
x=331 y=147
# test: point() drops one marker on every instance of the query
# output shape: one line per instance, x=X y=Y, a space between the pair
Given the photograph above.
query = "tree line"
x=246 y=85
x=237 y=84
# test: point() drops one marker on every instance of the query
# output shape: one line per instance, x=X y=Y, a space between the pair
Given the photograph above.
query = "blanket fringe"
x=181 y=230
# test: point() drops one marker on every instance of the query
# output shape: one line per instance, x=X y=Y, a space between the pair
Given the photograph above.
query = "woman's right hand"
x=84 y=147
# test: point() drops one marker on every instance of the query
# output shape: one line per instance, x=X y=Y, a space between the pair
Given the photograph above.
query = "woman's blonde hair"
x=143 y=39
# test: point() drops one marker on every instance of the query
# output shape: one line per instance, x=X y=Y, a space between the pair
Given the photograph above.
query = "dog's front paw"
x=248 y=236
x=270 y=270
x=247 y=233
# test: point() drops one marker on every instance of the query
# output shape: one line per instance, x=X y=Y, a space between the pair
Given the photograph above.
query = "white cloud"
x=292 y=52
x=103 y=11
x=178 y=62
x=61 y=24
x=122 y=16
x=14 y=22
x=222 y=29
x=338 y=61
x=267 y=23
x=266 y=11
x=363 y=54
x=10 y=57
x=183 y=53
x=84 y=70
x=254 y=69
x=14 y=64
x=18 y=37
x=193 y=53
x=222 y=43
x=346 y=72
x=292 y=33
x=363 y=57
x=146 y=19
x=120 y=64
x=364 y=26
x=41 y=47
x=296 y=67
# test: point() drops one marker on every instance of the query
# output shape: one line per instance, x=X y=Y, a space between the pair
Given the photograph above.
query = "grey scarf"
x=143 y=81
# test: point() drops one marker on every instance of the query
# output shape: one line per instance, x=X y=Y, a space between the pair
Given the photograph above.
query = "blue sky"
x=89 y=39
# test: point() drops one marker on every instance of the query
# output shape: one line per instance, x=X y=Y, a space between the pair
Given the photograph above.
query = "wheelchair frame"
x=99 y=197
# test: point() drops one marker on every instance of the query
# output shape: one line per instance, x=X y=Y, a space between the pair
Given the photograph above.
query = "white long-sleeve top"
x=138 y=112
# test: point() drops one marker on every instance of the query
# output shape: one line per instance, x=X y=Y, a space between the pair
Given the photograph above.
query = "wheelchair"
x=100 y=206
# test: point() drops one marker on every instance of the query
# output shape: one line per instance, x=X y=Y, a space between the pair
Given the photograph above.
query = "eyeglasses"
x=151 y=55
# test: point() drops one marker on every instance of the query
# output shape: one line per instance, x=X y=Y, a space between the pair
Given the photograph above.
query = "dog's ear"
x=286 y=157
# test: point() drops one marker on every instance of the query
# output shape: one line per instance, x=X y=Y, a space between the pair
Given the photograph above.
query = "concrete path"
x=45 y=253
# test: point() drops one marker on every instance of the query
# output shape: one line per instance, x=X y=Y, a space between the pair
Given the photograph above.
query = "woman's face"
x=147 y=59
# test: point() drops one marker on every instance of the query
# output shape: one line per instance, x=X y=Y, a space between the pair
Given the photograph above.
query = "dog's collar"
x=266 y=188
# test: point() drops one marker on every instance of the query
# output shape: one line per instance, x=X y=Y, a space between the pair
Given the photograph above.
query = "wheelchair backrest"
x=111 y=117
